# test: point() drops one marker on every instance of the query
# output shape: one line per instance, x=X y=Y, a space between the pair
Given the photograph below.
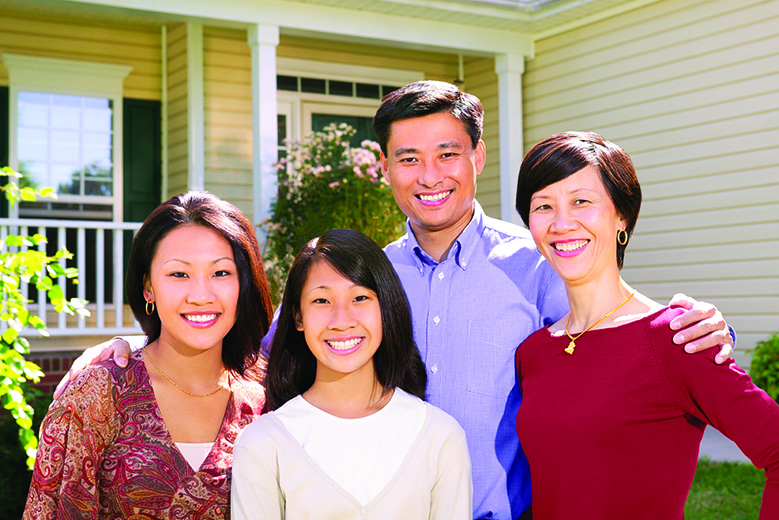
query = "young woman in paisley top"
x=155 y=439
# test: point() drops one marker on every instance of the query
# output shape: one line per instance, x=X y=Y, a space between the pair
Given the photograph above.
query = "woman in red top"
x=613 y=413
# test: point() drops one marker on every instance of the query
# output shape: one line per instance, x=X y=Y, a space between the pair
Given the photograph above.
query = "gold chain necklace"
x=572 y=344
x=174 y=383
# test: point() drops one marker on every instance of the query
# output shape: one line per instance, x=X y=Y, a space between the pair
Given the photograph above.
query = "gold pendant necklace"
x=572 y=344
x=148 y=355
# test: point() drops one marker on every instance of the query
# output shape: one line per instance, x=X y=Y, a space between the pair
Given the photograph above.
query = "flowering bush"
x=324 y=183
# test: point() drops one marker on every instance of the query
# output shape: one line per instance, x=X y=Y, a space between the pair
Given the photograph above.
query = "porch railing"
x=99 y=250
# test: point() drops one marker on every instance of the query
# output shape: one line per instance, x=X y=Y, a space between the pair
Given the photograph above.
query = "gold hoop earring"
x=149 y=311
x=620 y=240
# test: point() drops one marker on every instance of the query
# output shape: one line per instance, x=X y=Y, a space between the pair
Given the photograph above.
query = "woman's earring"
x=622 y=237
x=149 y=307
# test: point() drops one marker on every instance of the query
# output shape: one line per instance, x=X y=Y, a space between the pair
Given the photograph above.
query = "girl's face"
x=574 y=224
x=193 y=281
x=341 y=322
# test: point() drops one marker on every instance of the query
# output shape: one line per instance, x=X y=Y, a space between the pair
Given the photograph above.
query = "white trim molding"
x=509 y=68
x=196 y=133
x=263 y=40
x=347 y=72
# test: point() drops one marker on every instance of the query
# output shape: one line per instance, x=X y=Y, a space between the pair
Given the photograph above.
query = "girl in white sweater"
x=348 y=434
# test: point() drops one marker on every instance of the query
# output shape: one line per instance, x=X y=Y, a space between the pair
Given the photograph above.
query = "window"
x=65 y=133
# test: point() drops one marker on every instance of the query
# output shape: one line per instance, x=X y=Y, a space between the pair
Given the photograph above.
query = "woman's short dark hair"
x=422 y=99
x=292 y=367
x=562 y=155
x=241 y=345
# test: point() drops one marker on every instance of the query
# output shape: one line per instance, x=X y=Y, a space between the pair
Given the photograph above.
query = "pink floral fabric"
x=104 y=452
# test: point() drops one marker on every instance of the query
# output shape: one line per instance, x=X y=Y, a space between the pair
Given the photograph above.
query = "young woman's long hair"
x=292 y=367
x=241 y=345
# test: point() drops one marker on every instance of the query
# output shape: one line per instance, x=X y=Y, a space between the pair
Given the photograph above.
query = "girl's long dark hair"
x=291 y=367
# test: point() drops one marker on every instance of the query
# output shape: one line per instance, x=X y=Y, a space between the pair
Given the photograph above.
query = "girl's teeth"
x=344 y=345
x=200 y=318
x=433 y=198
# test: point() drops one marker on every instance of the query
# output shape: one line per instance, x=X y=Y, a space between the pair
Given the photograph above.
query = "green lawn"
x=725 y=491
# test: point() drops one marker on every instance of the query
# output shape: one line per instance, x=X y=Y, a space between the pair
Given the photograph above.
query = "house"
x=120 y=104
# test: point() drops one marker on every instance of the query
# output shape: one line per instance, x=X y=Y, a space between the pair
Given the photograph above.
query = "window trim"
x=75 y=78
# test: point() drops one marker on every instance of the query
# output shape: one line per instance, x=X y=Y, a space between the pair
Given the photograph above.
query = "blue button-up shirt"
x=471 y=311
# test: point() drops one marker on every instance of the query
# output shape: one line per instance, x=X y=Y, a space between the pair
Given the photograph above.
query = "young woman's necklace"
x=572 y=344
x=163 y=374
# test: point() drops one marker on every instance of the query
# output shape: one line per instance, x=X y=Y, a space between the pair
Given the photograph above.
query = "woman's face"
x=193 y=281
x=341 y=322
x=574 y=224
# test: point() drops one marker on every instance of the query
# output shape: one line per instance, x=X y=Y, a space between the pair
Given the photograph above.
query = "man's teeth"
x=437 y=196
x=570 y=246
x=200 y=318
x=344 y=345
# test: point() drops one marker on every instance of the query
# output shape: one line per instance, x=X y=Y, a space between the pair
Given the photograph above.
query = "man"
x=476 y=285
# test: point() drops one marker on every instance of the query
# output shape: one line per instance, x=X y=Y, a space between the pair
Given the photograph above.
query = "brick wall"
x=54 y=366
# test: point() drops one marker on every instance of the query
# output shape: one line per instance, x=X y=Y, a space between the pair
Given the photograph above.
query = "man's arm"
x=702 y=327
x=115 y=348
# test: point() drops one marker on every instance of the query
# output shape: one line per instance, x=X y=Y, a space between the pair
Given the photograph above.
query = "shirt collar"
x=463 y=247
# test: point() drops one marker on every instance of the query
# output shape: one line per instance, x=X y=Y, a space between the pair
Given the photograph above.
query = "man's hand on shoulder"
x=116 y=348
x=701 y=327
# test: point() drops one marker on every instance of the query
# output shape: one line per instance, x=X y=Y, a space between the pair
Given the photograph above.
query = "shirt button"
x=434 y=369
x=440 y=276
x=362 y=512
x=436 y=320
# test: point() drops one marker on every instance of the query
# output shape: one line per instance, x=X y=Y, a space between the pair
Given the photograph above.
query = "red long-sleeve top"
x=613 y=431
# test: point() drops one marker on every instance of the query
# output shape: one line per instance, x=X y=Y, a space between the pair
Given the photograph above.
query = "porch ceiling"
x=534 y=18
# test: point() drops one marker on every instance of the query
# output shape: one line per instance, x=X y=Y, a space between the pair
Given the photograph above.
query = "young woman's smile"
x=194 y=285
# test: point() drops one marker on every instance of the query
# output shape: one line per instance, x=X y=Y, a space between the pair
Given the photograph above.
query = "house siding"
x=178 y=115
x=689 y=89
x=84 y=39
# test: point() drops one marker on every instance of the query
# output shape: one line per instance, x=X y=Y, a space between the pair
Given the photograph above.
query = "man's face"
x=432 y=169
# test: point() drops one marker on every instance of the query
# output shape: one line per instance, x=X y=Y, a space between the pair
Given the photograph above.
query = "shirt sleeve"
x=452 y=495
x=73 y=437
x=552 y=299
x=725 y=397
x=255 y=491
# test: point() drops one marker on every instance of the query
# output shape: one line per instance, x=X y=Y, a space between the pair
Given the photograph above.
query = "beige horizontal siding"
x=83 y=39
x=690 y=88
x=178 y=115
x=482 y=81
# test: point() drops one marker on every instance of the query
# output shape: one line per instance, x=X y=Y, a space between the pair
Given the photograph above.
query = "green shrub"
x=764 y=368
x=15 y=477
x=324 y=183
x=22 y=262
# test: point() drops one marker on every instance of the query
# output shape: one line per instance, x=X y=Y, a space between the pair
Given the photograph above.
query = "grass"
x=725 y=491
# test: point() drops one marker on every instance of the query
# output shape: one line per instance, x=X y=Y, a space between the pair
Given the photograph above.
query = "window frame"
x=74 y=78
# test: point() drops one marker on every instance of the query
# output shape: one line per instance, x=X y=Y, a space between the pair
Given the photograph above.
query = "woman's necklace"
x=174 y=383
x=572 y=344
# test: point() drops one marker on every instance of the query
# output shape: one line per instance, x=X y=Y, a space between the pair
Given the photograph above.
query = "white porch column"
x=509 y=68
x=196 y=133
x=263 y=40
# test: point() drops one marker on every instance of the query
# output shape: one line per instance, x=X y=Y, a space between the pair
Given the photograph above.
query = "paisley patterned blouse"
x=104 y=452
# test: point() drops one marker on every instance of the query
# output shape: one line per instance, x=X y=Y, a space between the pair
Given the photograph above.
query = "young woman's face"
x=341 y=322
x=574 y=224
x=194 y=284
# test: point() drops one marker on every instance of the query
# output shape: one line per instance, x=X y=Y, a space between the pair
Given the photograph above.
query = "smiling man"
x=477 y=286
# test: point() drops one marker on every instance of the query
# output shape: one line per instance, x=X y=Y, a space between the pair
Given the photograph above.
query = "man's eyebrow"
x=403 y=151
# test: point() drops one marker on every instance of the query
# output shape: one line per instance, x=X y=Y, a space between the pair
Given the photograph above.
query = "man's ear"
x=480 y=156
x=384 y=167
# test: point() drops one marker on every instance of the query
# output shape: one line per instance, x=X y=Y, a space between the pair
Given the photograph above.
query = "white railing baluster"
x=42 y=294
x=61 y=242
x=100 y=276
x=81 y=263
x=117 y=277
